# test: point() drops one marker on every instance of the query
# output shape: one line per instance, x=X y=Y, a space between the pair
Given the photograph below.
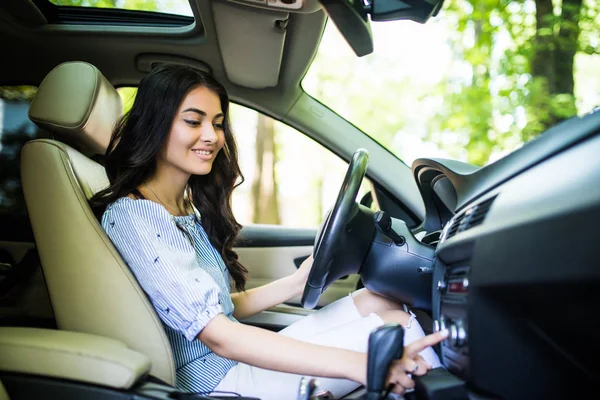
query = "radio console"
x=454 y=292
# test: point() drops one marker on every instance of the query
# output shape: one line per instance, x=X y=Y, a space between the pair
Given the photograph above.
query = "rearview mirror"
x=351 y=17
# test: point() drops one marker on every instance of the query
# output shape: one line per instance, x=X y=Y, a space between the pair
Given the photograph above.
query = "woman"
x=172 y=165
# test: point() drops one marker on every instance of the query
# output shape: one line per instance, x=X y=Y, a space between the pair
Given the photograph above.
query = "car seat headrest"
x=78 y=103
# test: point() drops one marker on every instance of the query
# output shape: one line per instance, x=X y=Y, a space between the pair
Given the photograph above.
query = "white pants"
x=338 y=324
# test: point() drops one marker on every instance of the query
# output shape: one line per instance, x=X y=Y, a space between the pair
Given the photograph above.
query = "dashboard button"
x=442 y=323
x=461 y=334
x=453 y=335
x=441 y=285
x=457 y=335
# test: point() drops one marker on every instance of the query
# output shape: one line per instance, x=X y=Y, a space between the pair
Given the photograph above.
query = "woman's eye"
x=191 y=122
x=218 y=126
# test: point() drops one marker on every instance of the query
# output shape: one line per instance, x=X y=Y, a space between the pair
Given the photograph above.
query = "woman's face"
x=196 y=135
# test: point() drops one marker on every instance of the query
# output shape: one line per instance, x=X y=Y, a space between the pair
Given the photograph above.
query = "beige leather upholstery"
x=77 y=101
x=73 y=356
x=92 y=290
x=3 y=394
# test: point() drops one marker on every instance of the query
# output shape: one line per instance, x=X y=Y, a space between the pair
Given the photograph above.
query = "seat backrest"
x=3 y=394
x=91 y=288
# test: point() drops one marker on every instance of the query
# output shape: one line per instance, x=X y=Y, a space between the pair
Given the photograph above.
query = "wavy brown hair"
x=140 y=135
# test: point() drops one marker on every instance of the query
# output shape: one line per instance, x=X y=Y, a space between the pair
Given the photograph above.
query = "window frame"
x=91 y=16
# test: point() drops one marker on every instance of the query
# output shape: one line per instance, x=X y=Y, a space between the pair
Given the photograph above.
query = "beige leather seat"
x=91 y=288
x=3 y=394
x=72 y=356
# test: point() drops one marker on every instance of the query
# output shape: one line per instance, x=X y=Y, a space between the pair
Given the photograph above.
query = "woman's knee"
x=395 y=317
x=368 y=302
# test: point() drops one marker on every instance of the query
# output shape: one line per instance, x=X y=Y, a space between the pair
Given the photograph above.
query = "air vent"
x=455 y=225
x=473 y=216
x=478 y=214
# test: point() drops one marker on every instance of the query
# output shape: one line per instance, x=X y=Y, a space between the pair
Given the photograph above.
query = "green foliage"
x=535 y=71
x=335 y=84
x=512 y=76
x=17 y=92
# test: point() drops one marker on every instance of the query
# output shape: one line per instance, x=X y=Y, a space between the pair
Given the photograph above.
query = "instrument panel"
x=515 y=275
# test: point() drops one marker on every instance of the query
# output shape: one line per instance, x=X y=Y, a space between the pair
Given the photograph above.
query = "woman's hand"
x=411 y=363
x=301 y=274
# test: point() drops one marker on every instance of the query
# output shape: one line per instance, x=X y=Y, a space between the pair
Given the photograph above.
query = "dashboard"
x=517 y=265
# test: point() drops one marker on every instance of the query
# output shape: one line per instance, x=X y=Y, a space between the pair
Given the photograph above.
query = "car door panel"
x=271 y=252
x=266 y=264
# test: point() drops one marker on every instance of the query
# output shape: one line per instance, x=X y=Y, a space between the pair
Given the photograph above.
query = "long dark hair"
x=140 y=135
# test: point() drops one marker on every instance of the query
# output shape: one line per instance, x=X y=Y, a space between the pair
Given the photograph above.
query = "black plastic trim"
x=15 y=228
x=22 y=386
x=439 y=384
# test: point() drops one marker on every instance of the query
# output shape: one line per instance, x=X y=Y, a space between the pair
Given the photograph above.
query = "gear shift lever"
x=386 y=344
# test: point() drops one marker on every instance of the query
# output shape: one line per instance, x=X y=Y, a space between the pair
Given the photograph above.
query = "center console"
x=450 y=310
x=454 y=292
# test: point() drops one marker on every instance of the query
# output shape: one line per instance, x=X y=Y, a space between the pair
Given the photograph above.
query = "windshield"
x=472 y=84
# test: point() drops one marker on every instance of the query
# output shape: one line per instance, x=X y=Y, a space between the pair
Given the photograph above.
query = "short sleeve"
x=185 y=296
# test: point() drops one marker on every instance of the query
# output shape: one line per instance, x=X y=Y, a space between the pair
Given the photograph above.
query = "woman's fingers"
x=398 y=374
x=418 y=345
x=412 y=363
x=421 y=366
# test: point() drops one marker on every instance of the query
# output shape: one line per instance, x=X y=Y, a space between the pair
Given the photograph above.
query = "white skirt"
x=338 y=324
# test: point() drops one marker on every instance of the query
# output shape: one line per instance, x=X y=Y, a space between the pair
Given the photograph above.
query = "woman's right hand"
x=412 y=363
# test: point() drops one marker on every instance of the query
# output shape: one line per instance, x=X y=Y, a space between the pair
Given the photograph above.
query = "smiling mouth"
x=203 y=152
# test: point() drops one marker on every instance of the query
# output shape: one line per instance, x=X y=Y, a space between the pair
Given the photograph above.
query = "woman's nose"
x=208 y=133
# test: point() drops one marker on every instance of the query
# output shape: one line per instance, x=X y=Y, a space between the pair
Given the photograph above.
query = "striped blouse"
x=184 y=277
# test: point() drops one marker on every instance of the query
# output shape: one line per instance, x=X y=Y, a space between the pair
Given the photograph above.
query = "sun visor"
x=251 y=42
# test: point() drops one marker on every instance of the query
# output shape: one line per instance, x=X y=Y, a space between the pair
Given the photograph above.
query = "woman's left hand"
x=301 y=274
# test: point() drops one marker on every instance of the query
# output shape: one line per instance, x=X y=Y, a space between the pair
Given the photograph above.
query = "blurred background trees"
x=265 y=207
x=486 y=77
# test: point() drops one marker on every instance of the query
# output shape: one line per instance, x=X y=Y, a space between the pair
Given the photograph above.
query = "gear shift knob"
x=386 y=344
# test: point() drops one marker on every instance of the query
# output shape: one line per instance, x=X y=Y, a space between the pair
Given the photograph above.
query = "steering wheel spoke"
x=332 y=238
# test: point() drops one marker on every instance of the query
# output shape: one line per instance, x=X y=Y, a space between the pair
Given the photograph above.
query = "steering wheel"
x=328 y=242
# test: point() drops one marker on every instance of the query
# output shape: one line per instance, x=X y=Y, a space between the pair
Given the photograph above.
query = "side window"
x=290 y=179
x=15 y=130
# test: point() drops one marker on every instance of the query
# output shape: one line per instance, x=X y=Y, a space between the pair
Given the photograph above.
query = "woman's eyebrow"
x=200 y=112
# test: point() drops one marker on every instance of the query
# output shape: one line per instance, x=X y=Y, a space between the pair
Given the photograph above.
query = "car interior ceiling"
x=50 y=347
x=259 y=66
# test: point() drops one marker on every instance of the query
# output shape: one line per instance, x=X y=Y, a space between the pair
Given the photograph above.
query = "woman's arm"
x=253 y=301
x=268 y=350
